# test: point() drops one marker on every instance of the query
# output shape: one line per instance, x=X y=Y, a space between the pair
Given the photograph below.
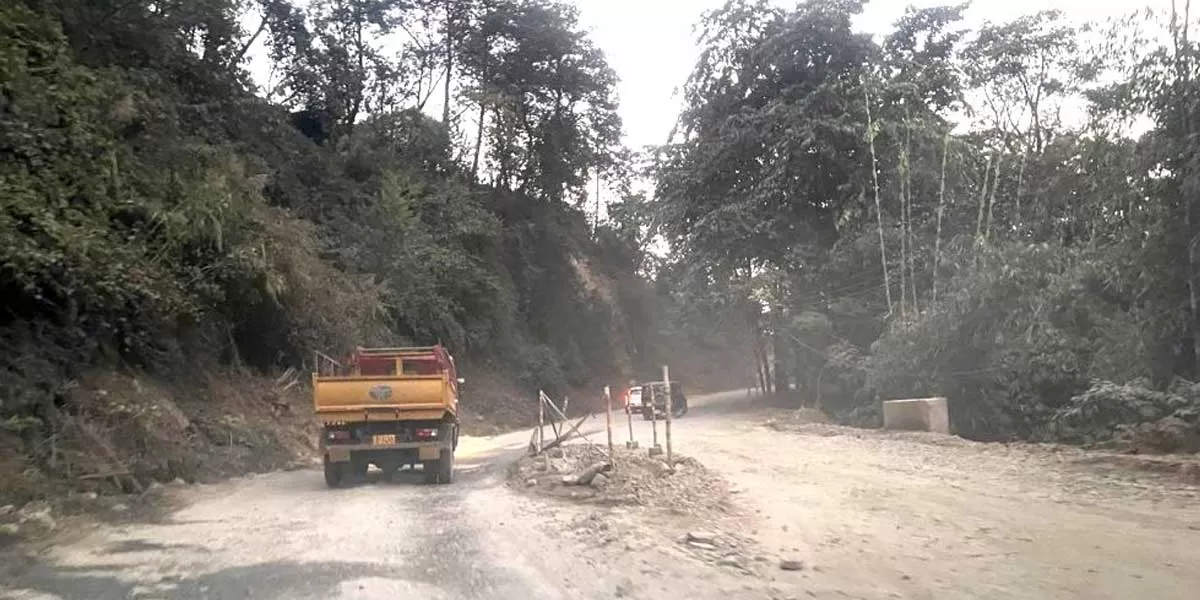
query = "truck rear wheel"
x=440 y=470
x=358 y=467
x=335 y=473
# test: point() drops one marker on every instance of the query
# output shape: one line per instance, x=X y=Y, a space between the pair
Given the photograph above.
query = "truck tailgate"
x=411 y=392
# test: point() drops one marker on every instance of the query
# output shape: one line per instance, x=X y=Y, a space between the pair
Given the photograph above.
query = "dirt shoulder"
x=118 y=440
x=912 y=516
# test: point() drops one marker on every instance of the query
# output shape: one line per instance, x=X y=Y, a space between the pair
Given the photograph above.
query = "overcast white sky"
x=650 y=43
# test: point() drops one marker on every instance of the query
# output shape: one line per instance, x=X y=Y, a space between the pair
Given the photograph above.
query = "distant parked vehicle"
x=650 y=401
x=633 y=400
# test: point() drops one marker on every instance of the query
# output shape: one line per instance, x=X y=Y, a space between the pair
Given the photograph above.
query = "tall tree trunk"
x=782 y=388
x=449 y=60
x=237 y=58
x=987 y=227
x=908 y=220
x=903 y=238
x=983 y=192
x=758 y=378
x=753 y=317
x=760 y=366
x=596 y=216
x=766 y=363
x=802 y=385
x=941 y=211
x=479 y=139
x=887 y=285
x=1020 y=190
x=1190 y=182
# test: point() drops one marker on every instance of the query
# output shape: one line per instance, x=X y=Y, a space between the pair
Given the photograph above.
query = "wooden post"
x=667 y=383
x=629 y=419
x=608 y=420
x=653 y=425
x=655 y=448
x=541 y=421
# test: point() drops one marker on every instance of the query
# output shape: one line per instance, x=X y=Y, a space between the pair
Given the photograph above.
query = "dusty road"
x=871 y=516
x=286 y=536
x=884 y=516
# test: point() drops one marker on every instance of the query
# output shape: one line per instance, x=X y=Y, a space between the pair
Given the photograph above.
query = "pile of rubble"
x=586 y=473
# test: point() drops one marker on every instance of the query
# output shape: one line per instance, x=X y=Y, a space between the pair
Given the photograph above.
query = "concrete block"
x=917 y=414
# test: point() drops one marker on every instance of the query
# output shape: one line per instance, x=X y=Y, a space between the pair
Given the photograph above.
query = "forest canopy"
x=160 y=207
x=1005 y=214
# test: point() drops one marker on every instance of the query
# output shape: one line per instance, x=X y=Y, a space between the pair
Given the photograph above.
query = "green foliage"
x=914 y=217
x=546 y=98
x=93 y=233
x=1107 y=410
x=1010 y=343
x=155 y=212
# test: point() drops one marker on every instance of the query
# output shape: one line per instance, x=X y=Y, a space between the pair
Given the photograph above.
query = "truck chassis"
x=390 y=446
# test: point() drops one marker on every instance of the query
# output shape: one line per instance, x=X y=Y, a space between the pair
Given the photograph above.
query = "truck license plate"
x=384 y=440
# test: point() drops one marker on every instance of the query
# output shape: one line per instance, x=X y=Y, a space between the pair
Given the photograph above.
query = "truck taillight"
x=426 y=433
x=339 y=434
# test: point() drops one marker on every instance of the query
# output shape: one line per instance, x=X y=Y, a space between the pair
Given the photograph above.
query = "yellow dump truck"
x=390 y=407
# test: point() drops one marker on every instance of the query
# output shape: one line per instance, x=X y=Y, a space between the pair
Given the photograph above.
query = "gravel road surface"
x=868 y=516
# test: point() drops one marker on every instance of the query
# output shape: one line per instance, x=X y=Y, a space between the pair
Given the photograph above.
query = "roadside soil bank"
x=118 y=437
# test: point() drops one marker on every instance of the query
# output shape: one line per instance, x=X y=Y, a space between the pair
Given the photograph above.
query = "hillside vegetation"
x=167 y=216
x=1006 y=214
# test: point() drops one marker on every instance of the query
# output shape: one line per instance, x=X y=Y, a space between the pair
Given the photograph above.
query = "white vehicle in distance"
x=650 y=400
x=633 y=400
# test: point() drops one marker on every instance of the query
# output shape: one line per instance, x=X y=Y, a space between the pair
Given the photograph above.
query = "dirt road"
x=871 y=517
x=911 y=516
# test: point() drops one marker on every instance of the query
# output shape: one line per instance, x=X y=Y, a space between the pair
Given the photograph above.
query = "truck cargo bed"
x=410 y=392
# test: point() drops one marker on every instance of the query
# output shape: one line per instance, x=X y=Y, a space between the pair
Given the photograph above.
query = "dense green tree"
x=159 y=208
x=916 y=216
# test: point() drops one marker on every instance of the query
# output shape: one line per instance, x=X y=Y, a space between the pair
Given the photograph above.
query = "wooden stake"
x=655 y=449
x=667 y=383
x=608 y=420
x=629 y=419
x=573 y=430
x=541 y=421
